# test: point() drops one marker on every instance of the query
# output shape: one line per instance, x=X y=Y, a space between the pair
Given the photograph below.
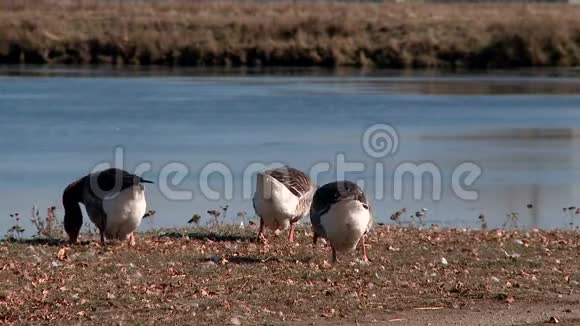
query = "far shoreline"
x=290 y=34
x=106 y=70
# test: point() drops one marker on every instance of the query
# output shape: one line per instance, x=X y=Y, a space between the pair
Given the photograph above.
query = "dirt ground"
x=222 y=276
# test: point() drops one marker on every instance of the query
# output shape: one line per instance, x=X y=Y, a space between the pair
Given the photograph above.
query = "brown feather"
x=295 y=180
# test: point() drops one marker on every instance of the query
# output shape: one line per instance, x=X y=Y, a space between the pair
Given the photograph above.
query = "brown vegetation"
x=193 y=33
x=218 y=276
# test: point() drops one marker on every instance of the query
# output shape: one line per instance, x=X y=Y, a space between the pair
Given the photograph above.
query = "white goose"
x=114 y=200
x=340 y=213
x=283 y=196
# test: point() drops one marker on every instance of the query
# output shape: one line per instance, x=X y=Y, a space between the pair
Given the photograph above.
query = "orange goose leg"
x=291 y=233
x=132 y=239
x=364 y=249
x=261 y=236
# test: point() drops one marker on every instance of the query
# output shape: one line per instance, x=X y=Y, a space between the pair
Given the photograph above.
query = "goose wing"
x=112 y=181
x=295 y=180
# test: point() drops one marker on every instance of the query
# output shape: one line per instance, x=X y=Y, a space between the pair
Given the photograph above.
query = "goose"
x=283 y=196
x=340 y=214
x=114 y=200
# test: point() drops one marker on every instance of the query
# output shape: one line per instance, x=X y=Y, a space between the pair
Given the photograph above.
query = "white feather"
x=124 y=212
x=345 y=223
x=274 y=203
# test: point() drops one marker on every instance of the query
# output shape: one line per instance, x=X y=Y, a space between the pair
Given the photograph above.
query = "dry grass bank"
x=181 y=32
x=218 y=276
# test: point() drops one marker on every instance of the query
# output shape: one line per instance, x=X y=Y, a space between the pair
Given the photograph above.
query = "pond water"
x=519 y=128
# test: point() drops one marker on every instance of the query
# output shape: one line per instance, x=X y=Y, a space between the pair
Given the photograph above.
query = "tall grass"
x=193 y=33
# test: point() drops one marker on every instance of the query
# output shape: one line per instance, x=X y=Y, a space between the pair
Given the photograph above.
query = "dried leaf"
x=61 y=255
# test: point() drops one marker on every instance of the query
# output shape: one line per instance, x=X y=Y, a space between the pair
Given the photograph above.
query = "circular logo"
x=380 y=140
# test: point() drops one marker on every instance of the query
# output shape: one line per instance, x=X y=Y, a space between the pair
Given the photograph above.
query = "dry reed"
x=206 y=33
